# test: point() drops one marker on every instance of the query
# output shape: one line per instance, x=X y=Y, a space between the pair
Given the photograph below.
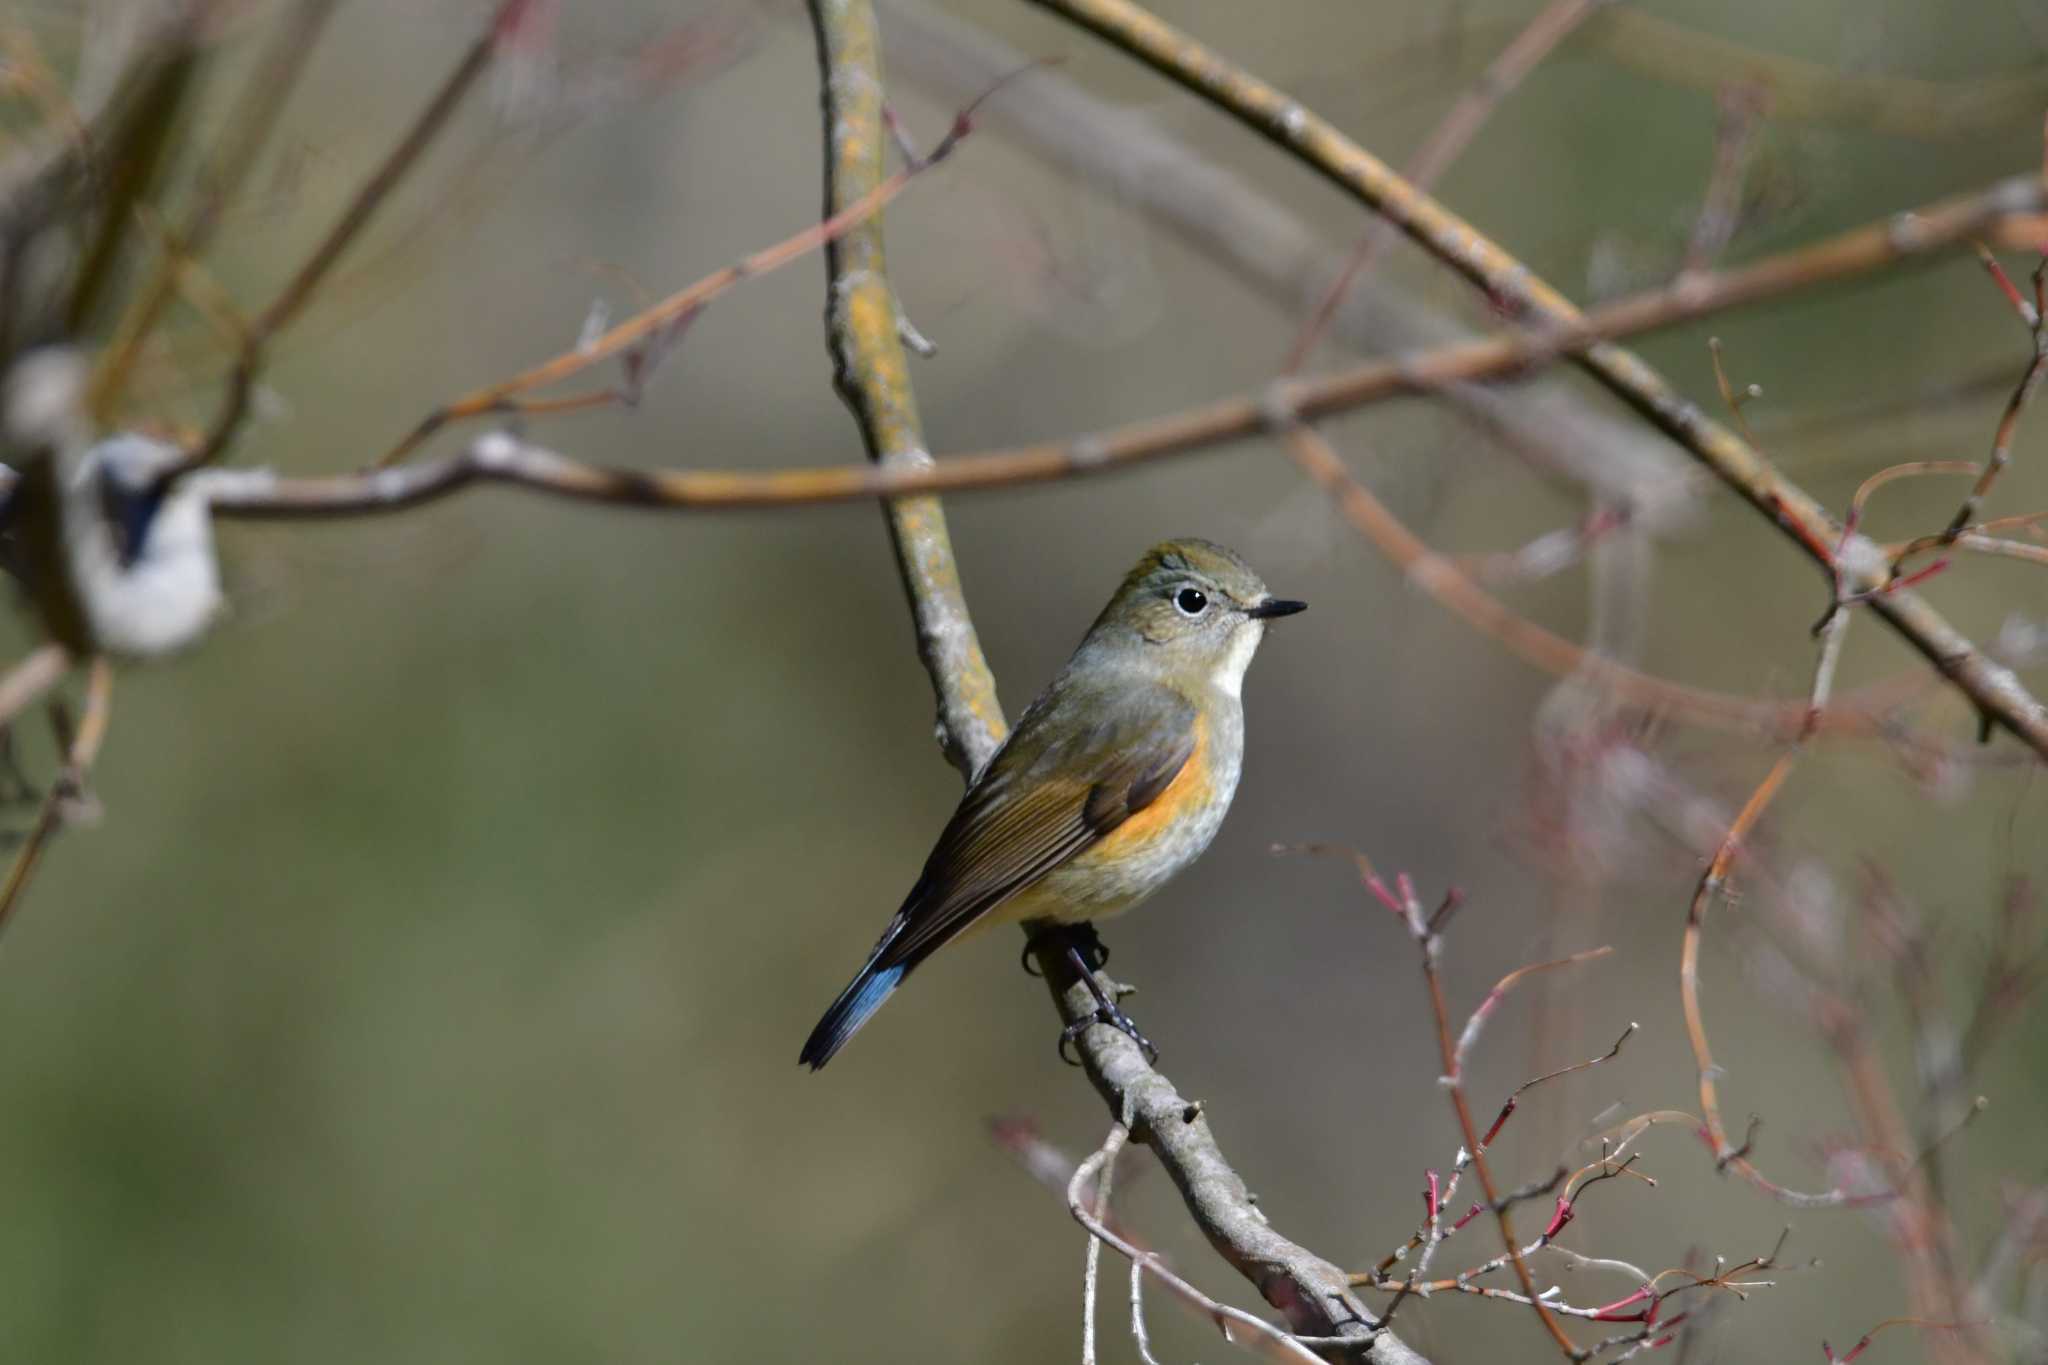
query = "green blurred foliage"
x=432 y=987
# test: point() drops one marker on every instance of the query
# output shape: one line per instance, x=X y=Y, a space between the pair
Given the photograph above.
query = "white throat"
x=1229 y=675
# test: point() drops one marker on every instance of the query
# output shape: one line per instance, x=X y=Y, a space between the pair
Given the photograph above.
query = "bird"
x=1116 y=778
x=119 y=557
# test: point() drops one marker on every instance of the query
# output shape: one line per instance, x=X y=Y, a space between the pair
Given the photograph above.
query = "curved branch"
x=872 y=375
x=1441 y=579
x=369 y=197
x=1995 y=690
x=1878 y=102
x=66 y=788
x=1251 y=233
x=42 y=669
x=1314 y=1295
x=1897 y=238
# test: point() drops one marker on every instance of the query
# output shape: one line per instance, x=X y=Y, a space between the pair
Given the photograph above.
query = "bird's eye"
x=1191 y=601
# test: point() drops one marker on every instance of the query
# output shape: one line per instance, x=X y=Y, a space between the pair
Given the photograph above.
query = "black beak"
x=1274 y=606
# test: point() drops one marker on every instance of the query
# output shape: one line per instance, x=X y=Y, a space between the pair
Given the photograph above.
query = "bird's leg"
x=1093 y=950
x=1106 y=1011
x=1081 y=934
x=1084 y=948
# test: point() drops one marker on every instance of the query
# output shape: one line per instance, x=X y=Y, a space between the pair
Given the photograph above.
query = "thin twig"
x=1423 y=929
x=1440 y=577
x=1852 y=254
x=39 y=671
x=1259 y=1334
x=1477 y=1020
x=1738 y=109
x=251 y=121
x=66 y=787
x=1139 y=1336
x=1092 y=1271
x=874 y=375
x=1996 y=691
x=1863 y=1342
x=1728 y=1154
x=651 y=323
x=2016 y=405
x=361 y=208
x=1446 y=142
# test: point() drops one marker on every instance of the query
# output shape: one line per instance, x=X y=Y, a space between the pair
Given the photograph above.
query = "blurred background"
x=431 y=988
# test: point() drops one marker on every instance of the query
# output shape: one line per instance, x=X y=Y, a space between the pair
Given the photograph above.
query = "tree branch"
x=1897 y=238
x=66 y=789
x=1314 y=1295
x=369 y=197
x=1251 y=233
x=872 y=375
x=1996 y=691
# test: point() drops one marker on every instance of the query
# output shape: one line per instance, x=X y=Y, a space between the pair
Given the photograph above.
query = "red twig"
x=1863 y=1342
x=2037 y=365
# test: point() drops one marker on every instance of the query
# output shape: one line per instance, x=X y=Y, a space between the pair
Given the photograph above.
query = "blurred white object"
x=144 y=563
x=138 y=570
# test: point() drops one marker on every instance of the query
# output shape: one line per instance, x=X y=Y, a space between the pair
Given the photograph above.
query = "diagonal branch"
x=1445 y=144
x=1995 y=690
x=66 y=788
x=1999 y=210
x=369 y=197
x=872 y=374
x=1314 y=1295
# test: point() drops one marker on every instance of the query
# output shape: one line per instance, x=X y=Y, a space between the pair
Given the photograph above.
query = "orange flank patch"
x=1190 y=791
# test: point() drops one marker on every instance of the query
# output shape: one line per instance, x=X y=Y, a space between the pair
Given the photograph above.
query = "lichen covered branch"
x=872 y=373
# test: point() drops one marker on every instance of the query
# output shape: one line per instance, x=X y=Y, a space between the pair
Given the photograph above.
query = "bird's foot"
x=1116 y=1019
x=1106 y=1009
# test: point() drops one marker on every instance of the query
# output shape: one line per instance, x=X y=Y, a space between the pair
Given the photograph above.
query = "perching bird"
x=1115 y=779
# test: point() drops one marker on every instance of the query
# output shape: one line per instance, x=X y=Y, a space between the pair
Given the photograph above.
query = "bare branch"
x=43 y=668
x=369 y=197
x=664 y=318
x=1438 y=576
x=1995 y=690
x=66 y=788
x=1864 y=250
x=1446 y=142
x=1258 y=1334
x=1738 y=109
x=247 y=126
x=872 y=373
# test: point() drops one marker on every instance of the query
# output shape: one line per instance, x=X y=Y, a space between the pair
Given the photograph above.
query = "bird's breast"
x=1151 y=845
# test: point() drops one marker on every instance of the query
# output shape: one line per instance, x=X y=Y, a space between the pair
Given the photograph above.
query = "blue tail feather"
x=855 y=1005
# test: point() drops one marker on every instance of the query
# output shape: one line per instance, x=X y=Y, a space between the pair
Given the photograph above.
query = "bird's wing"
x=1057 y=786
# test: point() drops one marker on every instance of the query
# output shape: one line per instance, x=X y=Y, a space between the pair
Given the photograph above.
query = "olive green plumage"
x=1115 y=778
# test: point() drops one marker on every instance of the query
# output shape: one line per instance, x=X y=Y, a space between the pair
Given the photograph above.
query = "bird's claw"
x=1109 y=1014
